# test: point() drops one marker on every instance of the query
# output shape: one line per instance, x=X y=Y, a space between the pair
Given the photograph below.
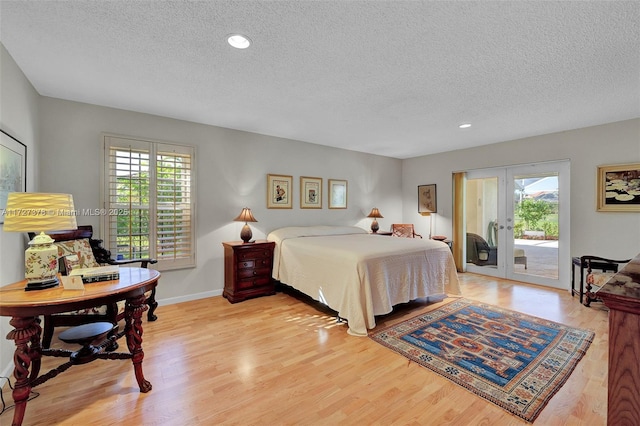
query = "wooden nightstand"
x=449 y=243
x=446 y=241
x=247 y=270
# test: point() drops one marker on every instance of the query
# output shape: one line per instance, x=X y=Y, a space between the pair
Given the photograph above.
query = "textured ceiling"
x=393 y=78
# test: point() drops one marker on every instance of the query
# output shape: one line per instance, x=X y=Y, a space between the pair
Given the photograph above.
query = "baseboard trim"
x=189 y=297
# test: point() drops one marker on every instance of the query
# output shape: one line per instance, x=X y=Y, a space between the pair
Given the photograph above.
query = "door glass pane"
x=536 y=225
x=481 y=222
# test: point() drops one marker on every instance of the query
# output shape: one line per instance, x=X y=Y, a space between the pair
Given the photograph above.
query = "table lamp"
x=245 y=216
x=375 y=214
x=40 y=212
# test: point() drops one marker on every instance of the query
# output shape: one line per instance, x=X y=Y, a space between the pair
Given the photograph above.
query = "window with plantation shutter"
x=149 y=201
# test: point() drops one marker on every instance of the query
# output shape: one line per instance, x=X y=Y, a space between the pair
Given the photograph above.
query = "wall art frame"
x=338 y=193
x=310 y=192
x=618 y=188
x=13 y=168
x=279 y=191
x=427 y=199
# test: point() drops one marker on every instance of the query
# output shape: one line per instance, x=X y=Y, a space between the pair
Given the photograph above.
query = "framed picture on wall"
x=13 y=168
x=619 y=188
x=279 y=189
x=337 y=194
x=427 y=200
x=310 y=192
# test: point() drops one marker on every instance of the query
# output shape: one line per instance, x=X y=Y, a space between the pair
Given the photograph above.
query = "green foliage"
x=518 y=229
x=532 y=212
x=550 y=228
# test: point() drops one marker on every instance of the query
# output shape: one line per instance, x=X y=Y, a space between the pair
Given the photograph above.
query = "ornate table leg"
x=133 y=329
x=26 y=335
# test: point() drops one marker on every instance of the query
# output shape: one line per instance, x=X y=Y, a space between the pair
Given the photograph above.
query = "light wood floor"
x=280 y=360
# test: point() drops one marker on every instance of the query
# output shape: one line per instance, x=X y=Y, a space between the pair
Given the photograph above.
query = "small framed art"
x=279 y=191
x=310 y=192
x=619 y=188
x=13 y=168
x=337 y=194
x=427 y=200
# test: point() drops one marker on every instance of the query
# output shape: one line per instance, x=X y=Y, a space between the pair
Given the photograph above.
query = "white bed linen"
x=360 y=275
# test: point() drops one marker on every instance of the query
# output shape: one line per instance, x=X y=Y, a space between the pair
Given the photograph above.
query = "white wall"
x=612 y=235
x=232 y=167
x=19 y=118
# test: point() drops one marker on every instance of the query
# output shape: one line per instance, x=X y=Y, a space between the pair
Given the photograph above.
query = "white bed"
x=360 y=275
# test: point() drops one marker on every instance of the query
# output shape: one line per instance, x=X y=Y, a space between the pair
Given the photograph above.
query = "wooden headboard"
x=83 y=231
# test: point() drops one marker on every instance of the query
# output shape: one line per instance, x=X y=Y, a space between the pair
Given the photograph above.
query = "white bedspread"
x=360 y=275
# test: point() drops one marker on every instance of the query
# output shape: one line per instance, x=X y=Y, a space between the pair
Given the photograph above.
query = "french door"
x=517 y=223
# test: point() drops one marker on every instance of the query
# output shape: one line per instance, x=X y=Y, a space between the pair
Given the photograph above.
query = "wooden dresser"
x=621 y=294
x=247 y=270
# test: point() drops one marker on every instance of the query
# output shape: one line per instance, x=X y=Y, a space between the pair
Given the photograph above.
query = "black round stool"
x=85 y=335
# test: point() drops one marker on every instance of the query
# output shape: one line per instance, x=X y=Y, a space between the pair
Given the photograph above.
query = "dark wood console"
x=621 y=294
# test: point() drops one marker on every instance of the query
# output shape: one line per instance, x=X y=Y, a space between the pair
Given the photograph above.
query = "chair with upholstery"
x=404 y=230
x=77 y=249
x=595 y=271
x=480 y=253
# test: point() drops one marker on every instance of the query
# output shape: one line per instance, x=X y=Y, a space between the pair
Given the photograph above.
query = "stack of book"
x=100 y=273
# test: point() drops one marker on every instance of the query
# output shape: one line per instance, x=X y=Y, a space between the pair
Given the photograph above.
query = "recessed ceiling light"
x=239 y=41
x=464 y=126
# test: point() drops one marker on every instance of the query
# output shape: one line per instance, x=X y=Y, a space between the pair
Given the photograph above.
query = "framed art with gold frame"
x=337 y=194
x=618 y=188
x=310 y=192
x=279 y=190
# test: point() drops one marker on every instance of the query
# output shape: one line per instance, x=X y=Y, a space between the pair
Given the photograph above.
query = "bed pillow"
x=312 y=231
x=80 y=248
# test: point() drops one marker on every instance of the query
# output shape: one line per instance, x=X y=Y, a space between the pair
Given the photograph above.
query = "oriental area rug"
x=513 y=360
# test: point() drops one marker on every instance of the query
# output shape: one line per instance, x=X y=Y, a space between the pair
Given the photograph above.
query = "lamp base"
x=374 y=226
x=246 y=234
x=42 y=284
x=41 y=263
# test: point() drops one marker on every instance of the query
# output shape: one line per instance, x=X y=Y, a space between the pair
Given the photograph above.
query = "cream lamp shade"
x=375 y=214
x=40 y=212
x=245 y=216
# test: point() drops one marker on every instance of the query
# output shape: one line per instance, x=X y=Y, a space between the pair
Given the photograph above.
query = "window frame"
x=154 y=148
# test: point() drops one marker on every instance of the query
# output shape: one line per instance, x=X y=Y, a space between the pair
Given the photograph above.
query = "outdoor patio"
x=542 y=257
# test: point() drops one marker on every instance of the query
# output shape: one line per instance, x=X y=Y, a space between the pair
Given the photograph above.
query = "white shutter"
x=149 y=201
x=174 y=204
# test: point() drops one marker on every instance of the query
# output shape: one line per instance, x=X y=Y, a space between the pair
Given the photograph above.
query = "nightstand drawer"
x=254 y=254
x=246 y=264
x=254 y=282
x=257 y=263
x=258 y=272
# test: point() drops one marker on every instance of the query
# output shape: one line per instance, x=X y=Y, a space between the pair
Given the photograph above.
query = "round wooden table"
x=26 y=306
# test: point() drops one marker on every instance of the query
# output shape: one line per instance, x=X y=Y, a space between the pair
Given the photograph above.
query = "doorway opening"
x=516 y=223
